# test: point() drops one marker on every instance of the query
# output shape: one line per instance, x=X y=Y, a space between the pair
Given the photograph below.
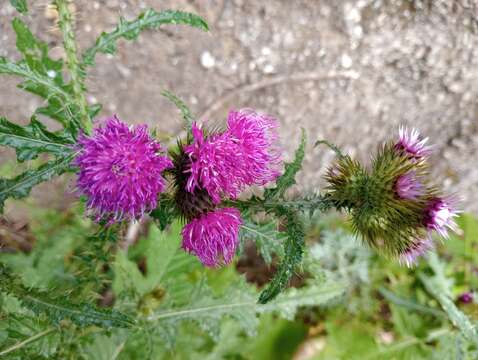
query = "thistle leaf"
x=20 y=5
x=165 y=213
x=42 y=76
x=293 y=251
x=181 y=105
x=287 y=179
x=439 y=286
x=29 y=141
x=57 y=309
x=20 y=186
x=81 y=314
x=130 y=30
x=266 y=237
x=238 y=302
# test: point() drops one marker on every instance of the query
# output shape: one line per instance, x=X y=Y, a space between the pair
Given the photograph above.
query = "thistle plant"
x=195 y=189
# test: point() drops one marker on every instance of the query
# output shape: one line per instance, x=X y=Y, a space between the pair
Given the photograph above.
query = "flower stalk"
x=66 y=23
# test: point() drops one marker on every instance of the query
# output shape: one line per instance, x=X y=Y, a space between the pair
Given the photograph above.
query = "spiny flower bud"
x=392 y=205
x=120 y=171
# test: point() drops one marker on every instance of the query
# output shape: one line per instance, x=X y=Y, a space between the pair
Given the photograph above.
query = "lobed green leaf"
x=61 y=308
x=130 y=30
x=287 y=179
x=20 y=186
x=43 y=77
x=181 y=105
x=29 y=141
x=267 y=238
x=293 y=251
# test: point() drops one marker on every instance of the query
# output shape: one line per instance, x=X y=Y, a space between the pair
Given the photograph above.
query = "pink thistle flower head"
x=408 y=186
x=213 y=237
x=414 y=251
x=440 y=214
x=120 y=171
x=245 y=154
x=410 y=142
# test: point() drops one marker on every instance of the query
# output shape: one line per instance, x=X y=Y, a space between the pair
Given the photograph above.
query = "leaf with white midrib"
x=129 y=30
x=31 y=140
x=21 y=185
x=299 y=299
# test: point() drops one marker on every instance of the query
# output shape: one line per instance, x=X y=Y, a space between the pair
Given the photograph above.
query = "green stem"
x=27 y=341
x=66 y=25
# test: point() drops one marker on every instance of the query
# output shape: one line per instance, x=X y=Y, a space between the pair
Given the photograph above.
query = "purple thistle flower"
x=243 y=155
x=413 y=144
x=408 y=186
x=213 y=237
x=440 y=214
x=419 y=247
x=120 y=171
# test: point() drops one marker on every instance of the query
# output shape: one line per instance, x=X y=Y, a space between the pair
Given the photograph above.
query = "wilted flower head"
x=440 y=214
x=411 y=143
x=245 y=154
x=120 y=170
x=408 y=186
x=213 y=237
x=393 y=207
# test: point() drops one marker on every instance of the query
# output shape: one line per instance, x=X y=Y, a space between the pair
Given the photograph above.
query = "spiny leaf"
x=130 y=30
x=439 y=287
x=293 y=251
x=238 y=302
x=29 y=141
x=61 y=308
x=42 y=76
x=181 y=105
x=20 y=186
x=58 y=309
x=165 y=213
x=287 y=179
x=20 y=5
x=266 y=237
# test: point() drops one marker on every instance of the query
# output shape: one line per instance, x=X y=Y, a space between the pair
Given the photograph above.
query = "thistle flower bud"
x=392 y=205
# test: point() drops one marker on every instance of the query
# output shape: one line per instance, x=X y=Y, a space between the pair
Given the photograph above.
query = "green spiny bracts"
x=390 y=203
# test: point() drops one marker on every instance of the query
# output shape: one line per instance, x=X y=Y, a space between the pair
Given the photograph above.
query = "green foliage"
x=293 y=250
x=43 y=77
x=20 y=186
x=188 y=117
x=60 y=308
x=165 y=212
x=440 y=287
x=287 y=179
x=268 y=239
x=130 y=30
x=29 y=141
x=20 y=5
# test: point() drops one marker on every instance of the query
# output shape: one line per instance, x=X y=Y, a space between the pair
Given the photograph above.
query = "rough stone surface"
x=347 y=71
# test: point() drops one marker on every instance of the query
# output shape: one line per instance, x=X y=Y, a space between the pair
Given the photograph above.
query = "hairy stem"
x=27 y=341
x=65 y=21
